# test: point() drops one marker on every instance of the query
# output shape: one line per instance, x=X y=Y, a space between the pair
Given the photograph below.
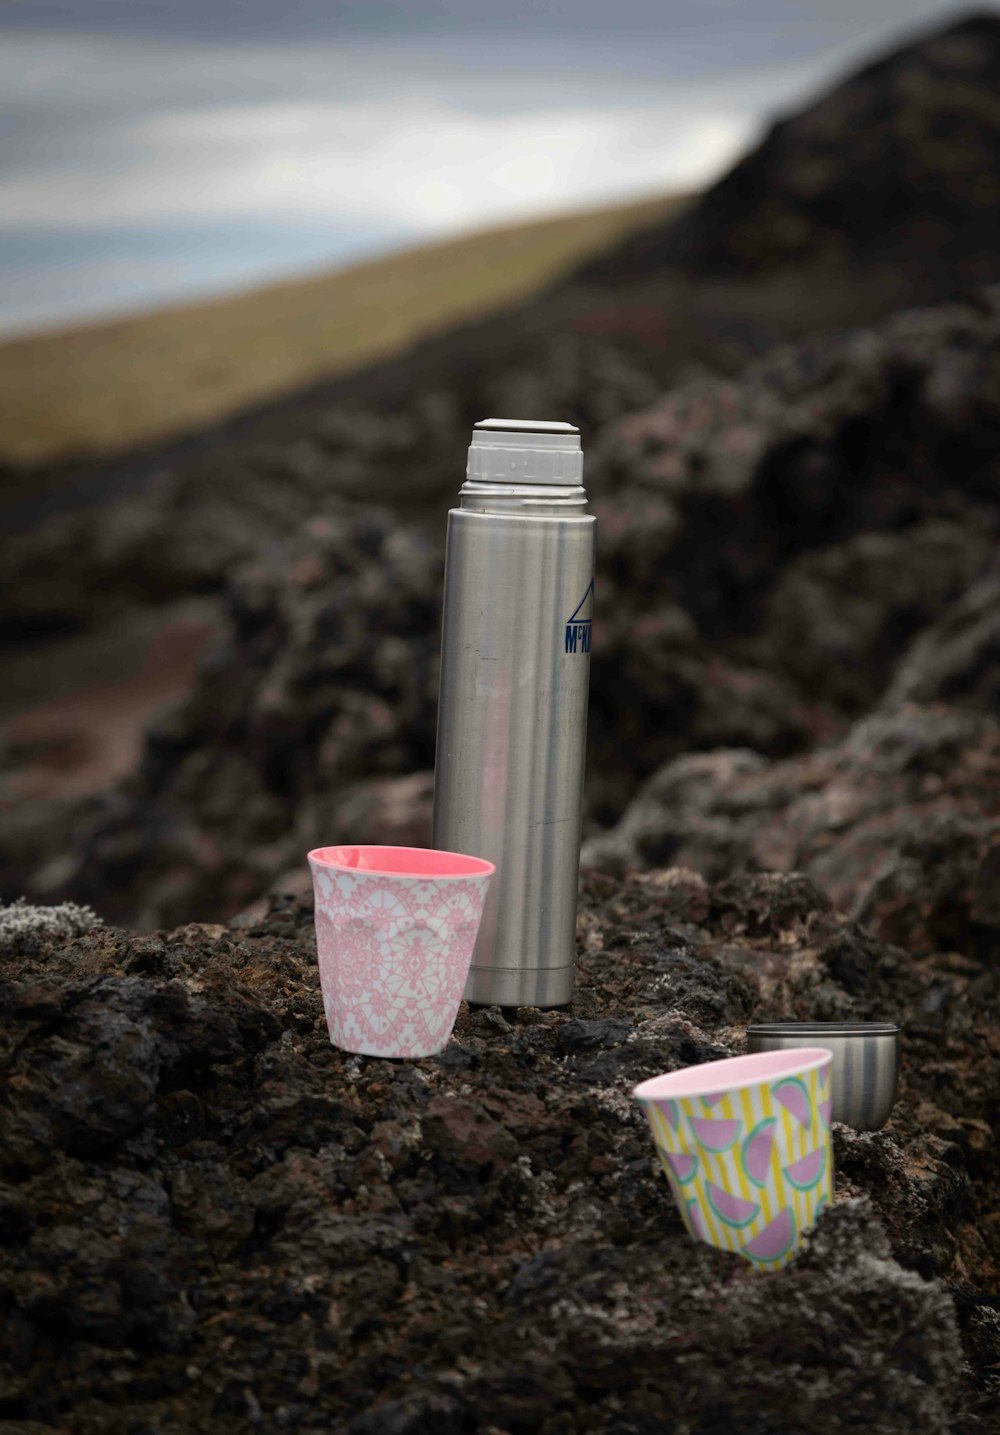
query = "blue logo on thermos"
x=579 y=622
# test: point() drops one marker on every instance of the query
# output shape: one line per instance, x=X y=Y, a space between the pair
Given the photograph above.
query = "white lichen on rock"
x=19 y=920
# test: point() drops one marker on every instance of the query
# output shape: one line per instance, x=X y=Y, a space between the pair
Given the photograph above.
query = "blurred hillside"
x=114 y=385
x=778 y=490
x=894 y=173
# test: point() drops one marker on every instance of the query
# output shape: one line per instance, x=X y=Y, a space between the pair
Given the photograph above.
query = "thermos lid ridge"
x=525 y=451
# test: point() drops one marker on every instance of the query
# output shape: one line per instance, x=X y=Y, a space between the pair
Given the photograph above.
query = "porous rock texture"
x=212 y=1219
x=209 y=1218
x=899 y=823
x=778 y=557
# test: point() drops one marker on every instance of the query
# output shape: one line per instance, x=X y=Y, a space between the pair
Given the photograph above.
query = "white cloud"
x=419 y=162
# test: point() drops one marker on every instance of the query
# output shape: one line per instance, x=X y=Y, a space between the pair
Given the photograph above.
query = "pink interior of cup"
x=731 y=1074
x=402 y=861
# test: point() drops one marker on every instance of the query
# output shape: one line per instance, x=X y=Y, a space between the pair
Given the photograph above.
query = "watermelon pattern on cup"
x=745 y=1146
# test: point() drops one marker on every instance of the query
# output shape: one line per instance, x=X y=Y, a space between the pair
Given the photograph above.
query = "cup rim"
x=823 y=1028
x=468 y=866
x=733 y=1073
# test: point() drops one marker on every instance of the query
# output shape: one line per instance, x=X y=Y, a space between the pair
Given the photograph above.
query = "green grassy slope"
x=107 y=386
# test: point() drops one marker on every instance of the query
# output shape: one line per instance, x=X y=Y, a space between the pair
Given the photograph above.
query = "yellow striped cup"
x=745 y=1145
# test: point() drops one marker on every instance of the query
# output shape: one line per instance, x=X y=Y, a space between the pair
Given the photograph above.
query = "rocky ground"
x=213 y=1219
x=779 y=557
x=209 y=1218
x=899 y=823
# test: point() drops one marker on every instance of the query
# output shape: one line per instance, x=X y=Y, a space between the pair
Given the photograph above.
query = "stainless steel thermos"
x=512 y=717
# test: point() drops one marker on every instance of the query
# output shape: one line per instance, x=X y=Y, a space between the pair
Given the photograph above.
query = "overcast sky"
x=153 y=150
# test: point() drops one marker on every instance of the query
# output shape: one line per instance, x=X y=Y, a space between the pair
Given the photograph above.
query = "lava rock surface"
x=780 y=556
x=209 y=1218
x=213 y=1219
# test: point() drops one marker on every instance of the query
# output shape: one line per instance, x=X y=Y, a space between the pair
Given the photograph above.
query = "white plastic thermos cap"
x=525 y=451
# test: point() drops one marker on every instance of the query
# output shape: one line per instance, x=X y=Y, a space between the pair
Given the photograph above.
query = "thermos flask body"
x=512 y=715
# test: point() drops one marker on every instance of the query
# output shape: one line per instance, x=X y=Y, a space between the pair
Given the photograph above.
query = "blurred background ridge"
x=109 y=386
x=155 y=153
x=796 y=488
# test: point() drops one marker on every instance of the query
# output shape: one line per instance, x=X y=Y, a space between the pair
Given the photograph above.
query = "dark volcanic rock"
x=894 y=170
x=329 y=676
x=900 y=823
x=775 y=555
x=209 y=1218
x=576 y=1035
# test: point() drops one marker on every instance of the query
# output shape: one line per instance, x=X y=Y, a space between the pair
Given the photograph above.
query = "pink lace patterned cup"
x=395 y=929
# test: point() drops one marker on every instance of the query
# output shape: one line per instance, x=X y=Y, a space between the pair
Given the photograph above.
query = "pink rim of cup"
x=395 y=932
x=736 y=1073
x=745 y=1146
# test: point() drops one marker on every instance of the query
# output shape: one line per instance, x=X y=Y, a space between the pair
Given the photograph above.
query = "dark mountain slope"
x=771 y=544
x=896 y=170
x=774 y=553
x=879 y=196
